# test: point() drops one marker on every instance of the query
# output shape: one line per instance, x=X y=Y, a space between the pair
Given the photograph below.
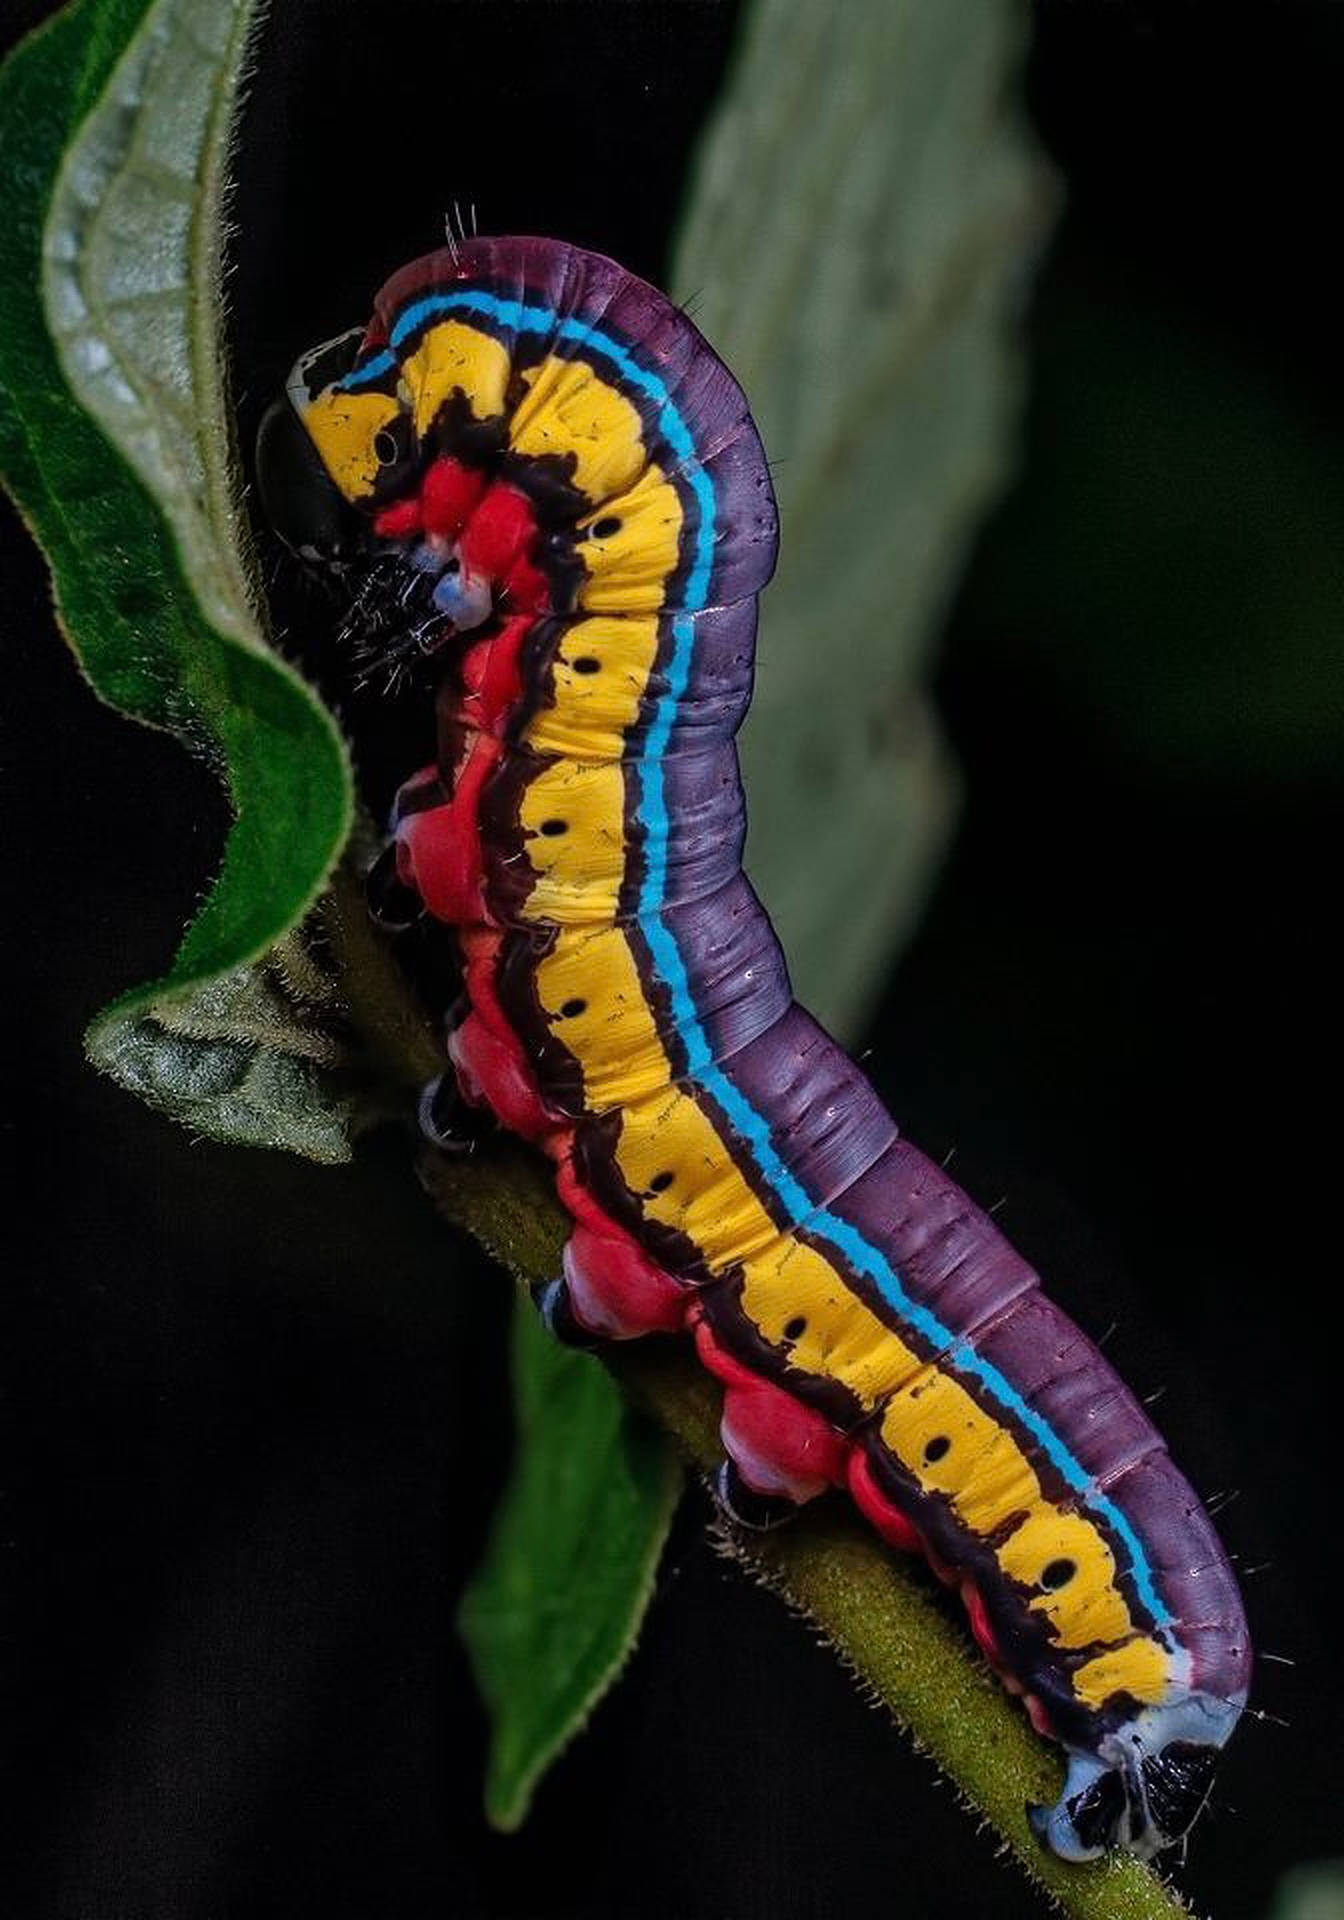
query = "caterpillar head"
x=1144 y=1787
x=313 y=458
x=349 y=487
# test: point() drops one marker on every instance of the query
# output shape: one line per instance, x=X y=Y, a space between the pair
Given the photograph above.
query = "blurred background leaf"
x=1314 y=1892
x=855 y=245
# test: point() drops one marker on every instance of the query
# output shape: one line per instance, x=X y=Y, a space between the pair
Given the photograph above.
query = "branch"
x=877 y=1612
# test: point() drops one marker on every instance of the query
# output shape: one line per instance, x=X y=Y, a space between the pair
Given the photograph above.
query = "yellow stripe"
x=453 y=357
x=841 y=1339
x=627 y=570
x=668 y=1133
x=589 y=987
x=343 y=428
x=570 y=412
x=596 y=705
x=1139 y=1668
x=1087 y=1610
x=572 y=813
x=976 y=1463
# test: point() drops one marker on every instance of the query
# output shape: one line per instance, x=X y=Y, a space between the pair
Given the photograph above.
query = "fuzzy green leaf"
x=244 y=1057
x=552 y=1612
x=115 y=439
x=855 y=248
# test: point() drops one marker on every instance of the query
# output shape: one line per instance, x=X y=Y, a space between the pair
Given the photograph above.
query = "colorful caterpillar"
x=535 y=474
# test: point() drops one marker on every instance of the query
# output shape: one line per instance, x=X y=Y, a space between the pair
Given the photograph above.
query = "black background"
x=264 y=1403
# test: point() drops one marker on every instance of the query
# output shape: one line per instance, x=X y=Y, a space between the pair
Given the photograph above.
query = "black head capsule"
x=329 y=461
x=300 y=499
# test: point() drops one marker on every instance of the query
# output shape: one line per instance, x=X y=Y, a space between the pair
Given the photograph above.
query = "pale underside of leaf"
x=131 y=282
x=1314 y=1891
x=246 y=1058
x=854 y=246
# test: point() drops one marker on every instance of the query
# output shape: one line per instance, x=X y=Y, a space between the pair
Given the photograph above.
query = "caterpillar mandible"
x=537 y=479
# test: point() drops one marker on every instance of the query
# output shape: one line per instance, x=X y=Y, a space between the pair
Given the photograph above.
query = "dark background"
x=264 y=1403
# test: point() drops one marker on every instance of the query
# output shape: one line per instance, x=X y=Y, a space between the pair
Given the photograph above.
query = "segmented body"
x=576 y=481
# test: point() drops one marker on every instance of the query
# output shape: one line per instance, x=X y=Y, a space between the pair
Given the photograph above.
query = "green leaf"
x=116 y=441
x=855 y=247
x=552 y=1612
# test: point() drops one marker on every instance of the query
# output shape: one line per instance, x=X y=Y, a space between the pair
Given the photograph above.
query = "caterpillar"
x=534 y=479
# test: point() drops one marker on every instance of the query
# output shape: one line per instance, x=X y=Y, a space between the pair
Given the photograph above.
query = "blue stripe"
x=371 y=372
x=865 y=1259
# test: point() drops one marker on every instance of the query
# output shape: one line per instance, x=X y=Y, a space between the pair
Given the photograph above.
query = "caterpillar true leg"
x=552 y=1301
x=393 y=906
x=451 y=1122
x=744 y=1506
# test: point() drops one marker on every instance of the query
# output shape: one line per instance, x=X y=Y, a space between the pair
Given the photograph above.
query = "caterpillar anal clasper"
x=535 y=474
